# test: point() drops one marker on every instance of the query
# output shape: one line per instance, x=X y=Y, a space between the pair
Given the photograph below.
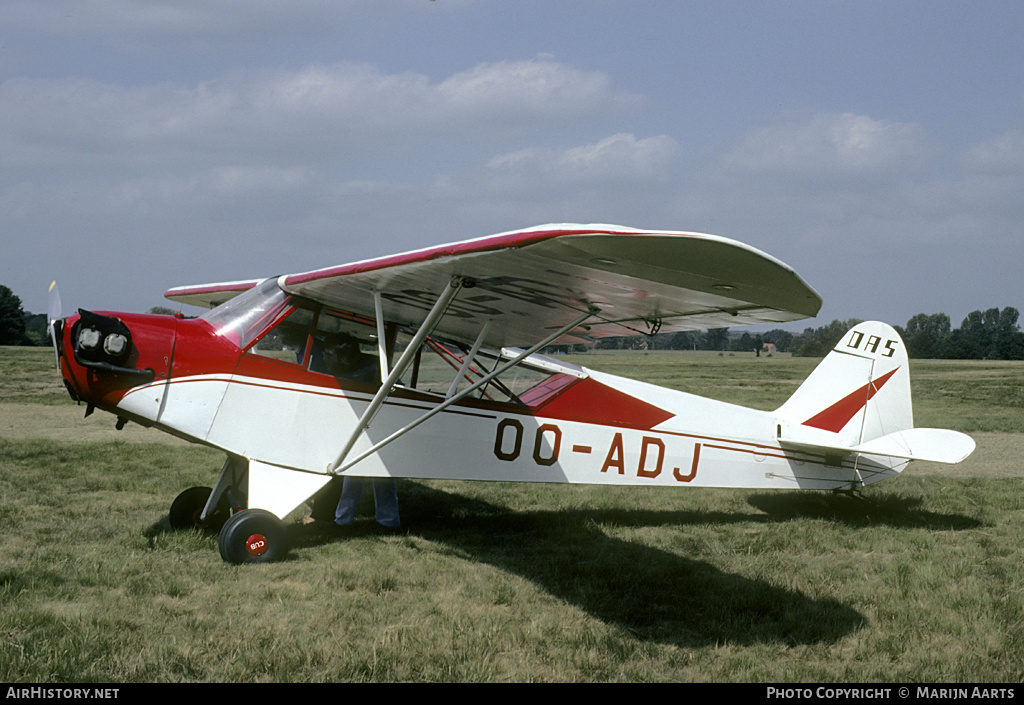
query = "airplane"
x=427 y=365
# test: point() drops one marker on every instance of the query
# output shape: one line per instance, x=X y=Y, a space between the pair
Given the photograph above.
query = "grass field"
x=503 y=582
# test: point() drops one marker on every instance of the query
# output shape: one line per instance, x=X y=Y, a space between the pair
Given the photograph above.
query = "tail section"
x=858 y=401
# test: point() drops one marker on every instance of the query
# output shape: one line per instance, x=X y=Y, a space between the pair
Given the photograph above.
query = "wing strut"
x=340 y=465
x=407 y=357
x=469 y=358
x=382 y=345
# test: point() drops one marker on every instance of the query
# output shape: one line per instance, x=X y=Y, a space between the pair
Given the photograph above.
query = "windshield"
x=244 y=317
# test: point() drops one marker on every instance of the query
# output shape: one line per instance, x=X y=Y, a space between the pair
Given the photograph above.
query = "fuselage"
x=188 y=378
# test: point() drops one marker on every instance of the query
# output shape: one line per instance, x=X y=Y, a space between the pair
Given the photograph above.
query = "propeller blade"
x=53 y=315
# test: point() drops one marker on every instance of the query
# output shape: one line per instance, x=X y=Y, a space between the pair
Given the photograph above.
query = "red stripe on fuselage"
x=835 y=417
x=590 y=401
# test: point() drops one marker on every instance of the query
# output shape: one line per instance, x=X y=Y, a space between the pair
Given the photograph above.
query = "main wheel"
x=253 y=536
x=187 y=506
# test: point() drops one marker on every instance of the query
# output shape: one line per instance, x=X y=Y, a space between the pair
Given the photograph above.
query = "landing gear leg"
x=854 y=490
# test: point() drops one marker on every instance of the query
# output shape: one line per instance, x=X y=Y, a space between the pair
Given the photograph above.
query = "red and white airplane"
x=404 y=367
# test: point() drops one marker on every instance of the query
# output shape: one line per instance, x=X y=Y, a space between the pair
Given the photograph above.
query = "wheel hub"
x=256 y=545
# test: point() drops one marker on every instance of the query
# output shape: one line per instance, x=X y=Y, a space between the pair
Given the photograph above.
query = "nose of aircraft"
x=102 y=355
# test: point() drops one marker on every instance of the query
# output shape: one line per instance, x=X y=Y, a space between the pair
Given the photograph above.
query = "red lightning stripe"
x=835 y=417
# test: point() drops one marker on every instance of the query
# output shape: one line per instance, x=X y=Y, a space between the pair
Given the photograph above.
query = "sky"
x=875 y=147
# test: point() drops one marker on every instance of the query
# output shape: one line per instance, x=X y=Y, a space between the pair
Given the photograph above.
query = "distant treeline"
x=984 y=335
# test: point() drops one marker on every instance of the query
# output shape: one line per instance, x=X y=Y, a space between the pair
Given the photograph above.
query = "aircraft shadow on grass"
x=654 y=594
x=880 y=509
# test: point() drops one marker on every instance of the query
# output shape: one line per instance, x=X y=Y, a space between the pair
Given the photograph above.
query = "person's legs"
x=385 y=499
x=351 y=493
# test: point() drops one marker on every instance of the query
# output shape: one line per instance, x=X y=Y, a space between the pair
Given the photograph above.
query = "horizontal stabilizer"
x=937 y=445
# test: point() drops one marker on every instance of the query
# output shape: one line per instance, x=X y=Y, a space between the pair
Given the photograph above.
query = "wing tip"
x=209 y=295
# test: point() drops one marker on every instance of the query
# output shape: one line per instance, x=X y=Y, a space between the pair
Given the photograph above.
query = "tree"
x=927 y=336
x=12 y=319
x=818 y=342
x=781 y=339
x=1007 y=339
x=743 y=343
x=716 y=339
x=988 y=335
x=36 y=330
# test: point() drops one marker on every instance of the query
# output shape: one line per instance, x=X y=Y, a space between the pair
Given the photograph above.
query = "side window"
x=345 y=347
x=288 y=338
x=439 y=361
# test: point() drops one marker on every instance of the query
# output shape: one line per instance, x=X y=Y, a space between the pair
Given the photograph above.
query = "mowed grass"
x=505 y=582
x=29 y=375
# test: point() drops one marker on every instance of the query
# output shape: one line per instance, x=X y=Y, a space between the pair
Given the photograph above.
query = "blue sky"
x=877 y=147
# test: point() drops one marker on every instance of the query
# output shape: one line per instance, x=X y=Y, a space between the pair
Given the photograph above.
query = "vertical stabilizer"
x=859 y=392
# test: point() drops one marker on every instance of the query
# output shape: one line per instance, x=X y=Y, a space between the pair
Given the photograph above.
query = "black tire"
x=253 y=536
x=187 y=506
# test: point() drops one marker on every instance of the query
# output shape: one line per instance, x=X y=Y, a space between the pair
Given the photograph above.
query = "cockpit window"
x=344 y=347
x=288 y=338
x=244 y=317
x=533 y=382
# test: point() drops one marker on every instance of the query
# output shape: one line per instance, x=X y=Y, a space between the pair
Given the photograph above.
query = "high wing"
x=529 y=283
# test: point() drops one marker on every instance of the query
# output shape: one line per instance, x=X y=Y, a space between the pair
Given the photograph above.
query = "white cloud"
x=316 y=157
x=293 y=114
x=1005 y=152
x=621 y=158
x=536 y=87
x=828 y=143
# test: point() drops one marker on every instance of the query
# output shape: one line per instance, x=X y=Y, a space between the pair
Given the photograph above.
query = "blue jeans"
x=385 y=500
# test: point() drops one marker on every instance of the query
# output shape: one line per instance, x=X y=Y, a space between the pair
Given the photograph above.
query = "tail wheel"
x=253 y=536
